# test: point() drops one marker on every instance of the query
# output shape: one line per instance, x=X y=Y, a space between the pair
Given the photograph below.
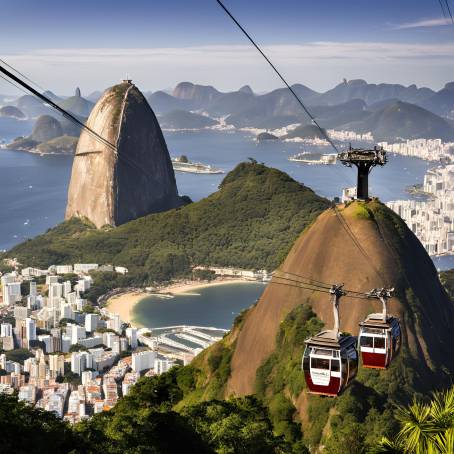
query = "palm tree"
x=425 y=428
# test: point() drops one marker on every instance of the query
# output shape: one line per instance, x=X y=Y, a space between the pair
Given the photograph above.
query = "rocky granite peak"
x=113 y=187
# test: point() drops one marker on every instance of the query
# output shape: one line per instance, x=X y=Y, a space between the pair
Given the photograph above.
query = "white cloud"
x=425 y=23
x=317 y=64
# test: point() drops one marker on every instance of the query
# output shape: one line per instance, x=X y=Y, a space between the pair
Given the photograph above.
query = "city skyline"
x=93 y=46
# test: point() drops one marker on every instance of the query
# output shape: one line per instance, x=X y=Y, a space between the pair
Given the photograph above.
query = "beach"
x=124 y=304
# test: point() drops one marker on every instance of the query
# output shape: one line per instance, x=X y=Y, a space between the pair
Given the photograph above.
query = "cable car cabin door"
x=374 y=349
x=320 y=370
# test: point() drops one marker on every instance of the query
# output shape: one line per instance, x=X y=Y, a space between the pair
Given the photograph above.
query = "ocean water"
x=34 y=188
x=215 y=306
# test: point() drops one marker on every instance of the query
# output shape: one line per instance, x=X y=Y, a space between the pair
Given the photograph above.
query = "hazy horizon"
x=61 y=46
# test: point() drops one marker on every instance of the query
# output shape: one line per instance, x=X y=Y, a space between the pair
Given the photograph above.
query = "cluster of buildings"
x=253 y=275
x=66 y=355
x=63 y=354
x=432 y=220
x=350 y=136
x=427 y=149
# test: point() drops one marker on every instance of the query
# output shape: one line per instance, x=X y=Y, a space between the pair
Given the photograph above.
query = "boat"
x=325 y=159
x=182 y=164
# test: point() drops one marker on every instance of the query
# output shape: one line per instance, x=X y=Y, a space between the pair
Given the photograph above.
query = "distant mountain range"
x=389 y=111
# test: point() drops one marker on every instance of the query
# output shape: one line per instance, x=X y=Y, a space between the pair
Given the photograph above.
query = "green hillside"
x=250 y=222
x=356 y=421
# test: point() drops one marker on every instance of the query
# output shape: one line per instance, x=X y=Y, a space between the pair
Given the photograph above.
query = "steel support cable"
x=324 y=284
x=298 y=99
x=442 y=6
x=21 y=74
x=294 y=285
x=350 y=293
x=46 y=100
x=14 y=85
x=449 y=10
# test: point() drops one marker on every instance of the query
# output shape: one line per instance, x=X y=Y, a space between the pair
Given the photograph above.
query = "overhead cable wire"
x=323 y=284
x=67 y=115
x=349 y=293
x=442 y=8
x=21 y=74
x=298 y=99
x=449 y=10
x=295 y=284
x=14 y=85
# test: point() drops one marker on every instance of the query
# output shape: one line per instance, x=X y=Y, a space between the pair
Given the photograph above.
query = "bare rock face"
x=326 y=253
x=111 y=188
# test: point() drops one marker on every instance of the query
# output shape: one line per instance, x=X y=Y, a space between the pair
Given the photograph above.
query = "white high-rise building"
x=6 y=330
x=51 y=280
x=67 y=288
x=11 y=293
x=77 y=333
x=47 y=340
x=143 y=360
x=64 y=269
x=30 y=329
x=33 y=291
x=114 y=323
x=65 y=343
x=66 y=311
x=79 y=362
x=162 y=365
x=57 y=364
x=55 y=291
x=131 y=334
x=91 y=322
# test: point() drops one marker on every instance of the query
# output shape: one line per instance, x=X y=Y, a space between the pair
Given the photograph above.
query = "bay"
x=214 y=306
x=34 y=188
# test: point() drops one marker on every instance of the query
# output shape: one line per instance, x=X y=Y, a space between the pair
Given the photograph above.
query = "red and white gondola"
x=380 y=335
x=330 y=360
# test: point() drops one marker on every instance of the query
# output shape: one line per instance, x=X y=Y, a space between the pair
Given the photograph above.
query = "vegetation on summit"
x=251 y=222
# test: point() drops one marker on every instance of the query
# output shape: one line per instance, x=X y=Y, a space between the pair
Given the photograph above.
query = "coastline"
x=124 y=304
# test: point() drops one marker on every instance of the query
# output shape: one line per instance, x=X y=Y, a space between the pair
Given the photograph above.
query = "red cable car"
x=330 y=360
x=379 y=335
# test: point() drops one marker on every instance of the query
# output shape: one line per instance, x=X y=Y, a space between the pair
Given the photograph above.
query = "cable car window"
x=335 y=365
x=320 y=363
x=366 y=341
x=322 y=351
x=379 y=342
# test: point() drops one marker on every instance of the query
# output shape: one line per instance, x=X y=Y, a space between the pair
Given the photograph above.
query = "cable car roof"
x=376 y=320
x=329 y=339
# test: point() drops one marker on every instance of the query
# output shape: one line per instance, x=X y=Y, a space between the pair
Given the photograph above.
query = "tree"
x=425 y=428
x=30 y=430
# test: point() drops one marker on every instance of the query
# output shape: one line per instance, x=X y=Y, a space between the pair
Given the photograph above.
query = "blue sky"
x=159 y=43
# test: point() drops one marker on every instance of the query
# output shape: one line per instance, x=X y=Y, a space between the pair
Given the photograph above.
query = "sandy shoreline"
x=124 y=304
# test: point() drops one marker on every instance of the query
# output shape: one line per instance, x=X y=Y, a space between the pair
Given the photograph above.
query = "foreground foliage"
x=145 y=422
x=424 y=427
